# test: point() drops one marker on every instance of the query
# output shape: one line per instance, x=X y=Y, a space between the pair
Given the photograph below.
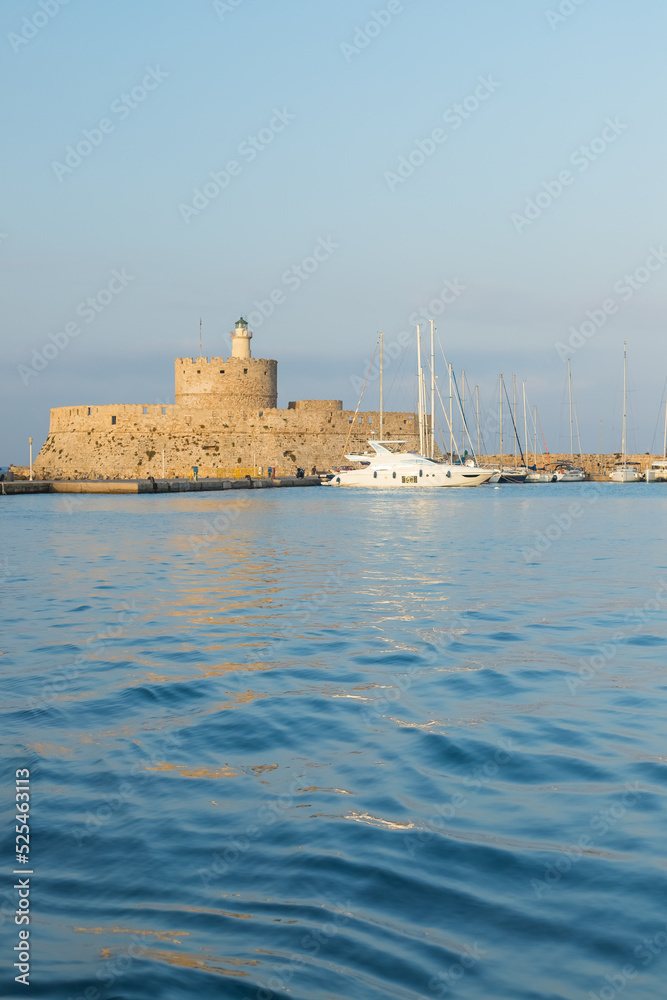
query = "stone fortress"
x=224 y=418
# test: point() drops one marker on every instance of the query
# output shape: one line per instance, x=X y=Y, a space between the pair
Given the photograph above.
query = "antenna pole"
x=200 y=350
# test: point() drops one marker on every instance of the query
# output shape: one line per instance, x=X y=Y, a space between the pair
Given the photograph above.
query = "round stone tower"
x=239 y=382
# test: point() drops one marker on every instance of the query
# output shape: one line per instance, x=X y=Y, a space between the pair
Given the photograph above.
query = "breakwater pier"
x=24 y=486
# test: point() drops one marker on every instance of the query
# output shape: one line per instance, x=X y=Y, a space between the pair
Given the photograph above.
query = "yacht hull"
x=625 y=476
x=451 y=476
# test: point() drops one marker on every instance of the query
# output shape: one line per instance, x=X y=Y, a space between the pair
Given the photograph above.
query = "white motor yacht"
x=399 y=469
x=657 y=473
x=626 y=472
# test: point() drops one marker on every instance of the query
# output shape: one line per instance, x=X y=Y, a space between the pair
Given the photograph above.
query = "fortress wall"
x=88 y=445
x=316 y=404
x=66 y=418
x=213 y=383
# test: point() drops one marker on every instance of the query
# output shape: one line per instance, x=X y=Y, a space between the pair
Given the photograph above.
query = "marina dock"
x=24 y=486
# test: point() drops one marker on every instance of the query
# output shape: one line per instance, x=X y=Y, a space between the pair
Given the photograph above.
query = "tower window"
x=245 y=371
x=222 y=371
x=199 y=371
x=113 y=420
x=88 y=411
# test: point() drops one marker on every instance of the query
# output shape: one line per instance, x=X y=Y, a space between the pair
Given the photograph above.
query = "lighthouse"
x=241 y=337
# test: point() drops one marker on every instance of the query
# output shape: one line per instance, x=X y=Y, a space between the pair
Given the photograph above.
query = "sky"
x=331 y=170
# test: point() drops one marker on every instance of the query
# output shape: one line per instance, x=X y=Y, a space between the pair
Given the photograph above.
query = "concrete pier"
x=23 y=486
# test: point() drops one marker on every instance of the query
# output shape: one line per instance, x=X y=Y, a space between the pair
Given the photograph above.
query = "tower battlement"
x=226 y=383
x=239 y=382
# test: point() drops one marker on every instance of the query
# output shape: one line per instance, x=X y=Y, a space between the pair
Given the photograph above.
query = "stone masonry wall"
x=126 y=440
x=226 y=383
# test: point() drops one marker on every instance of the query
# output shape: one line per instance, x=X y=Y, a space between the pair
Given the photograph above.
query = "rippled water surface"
x=339 y=744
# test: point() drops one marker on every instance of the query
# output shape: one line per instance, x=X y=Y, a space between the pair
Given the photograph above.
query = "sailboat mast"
x=525 y=419
x=463 y=407
x=432 y=448
x=501 y=422
x=451 y=417
x=664 y=447
x=477 y=408
x=535 y=427
x=200 y=351
x=514 y=412
x=419 y=385
x=623 y=443
x=569 y=390
x=381 y=384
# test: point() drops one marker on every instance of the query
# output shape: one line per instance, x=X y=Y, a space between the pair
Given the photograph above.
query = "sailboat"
x=535 y=475
x=624 y=471
x=507 y=473
x=384 y=467
x=658 y=471
x=568 y=472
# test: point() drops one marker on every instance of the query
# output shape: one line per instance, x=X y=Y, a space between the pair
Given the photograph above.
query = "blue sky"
x=336 y=108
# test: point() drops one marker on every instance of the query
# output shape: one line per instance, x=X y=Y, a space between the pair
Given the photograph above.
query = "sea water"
x=326 y=743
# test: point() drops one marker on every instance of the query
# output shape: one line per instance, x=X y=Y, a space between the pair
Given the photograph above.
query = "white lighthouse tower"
x=241 y=338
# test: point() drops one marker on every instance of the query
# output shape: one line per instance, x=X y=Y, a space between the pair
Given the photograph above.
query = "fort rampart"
x=224 y=417
x=127 y=440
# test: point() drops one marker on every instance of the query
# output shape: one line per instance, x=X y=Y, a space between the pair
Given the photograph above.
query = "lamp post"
x=30 y=440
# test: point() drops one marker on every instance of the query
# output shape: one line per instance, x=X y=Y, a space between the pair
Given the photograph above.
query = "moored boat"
x=386 y=468
x=657 y=473
x=624 y=471
x=566 y=472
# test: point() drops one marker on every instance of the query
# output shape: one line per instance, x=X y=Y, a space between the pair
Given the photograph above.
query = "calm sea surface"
x=320 y=743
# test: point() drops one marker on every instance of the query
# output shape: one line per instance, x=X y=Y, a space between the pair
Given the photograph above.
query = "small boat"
x=657 y=473
x=510 y=474
x=541 y=476
x=624 y=471
x=386 y=468
x=566 y=472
